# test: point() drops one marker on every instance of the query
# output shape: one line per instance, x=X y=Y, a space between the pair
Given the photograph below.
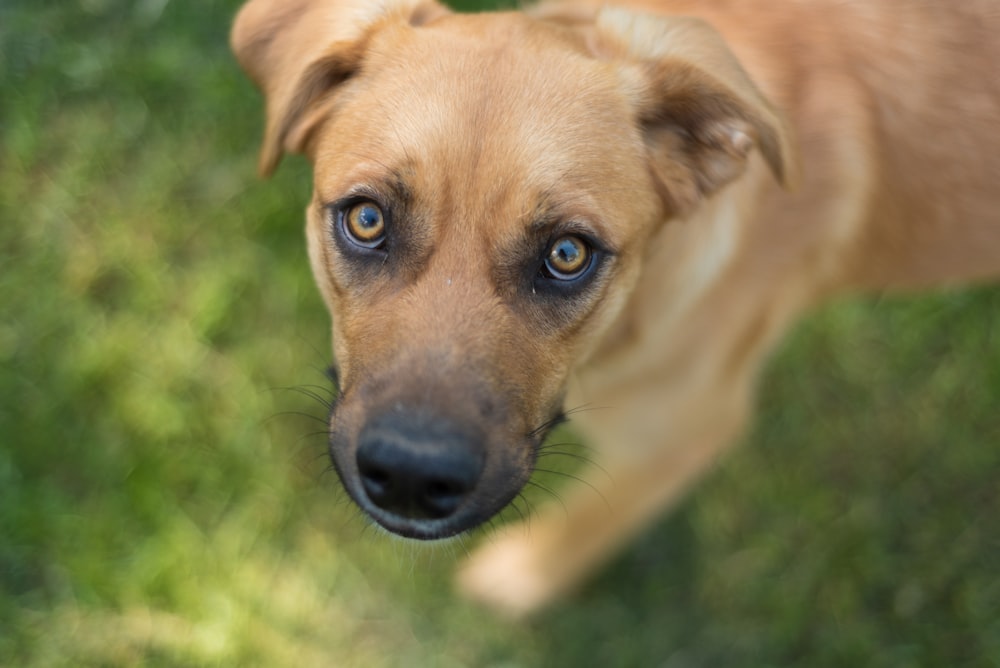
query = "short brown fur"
x=737 y=161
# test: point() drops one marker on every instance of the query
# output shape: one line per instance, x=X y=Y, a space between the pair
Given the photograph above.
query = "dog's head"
x=484 y=189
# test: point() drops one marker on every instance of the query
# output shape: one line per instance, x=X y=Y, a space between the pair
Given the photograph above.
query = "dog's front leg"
x=531 y=563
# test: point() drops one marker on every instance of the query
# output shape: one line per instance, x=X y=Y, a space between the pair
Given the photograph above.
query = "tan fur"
x=667 y=128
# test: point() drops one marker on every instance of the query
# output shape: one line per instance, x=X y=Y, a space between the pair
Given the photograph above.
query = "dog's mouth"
x=430 y=477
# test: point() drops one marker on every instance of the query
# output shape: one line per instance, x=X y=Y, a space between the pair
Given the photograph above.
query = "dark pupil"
x=368 y=218
x=567 y=253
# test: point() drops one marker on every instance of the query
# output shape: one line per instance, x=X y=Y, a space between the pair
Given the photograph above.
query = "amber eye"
x=364 y=223
x=568 y=258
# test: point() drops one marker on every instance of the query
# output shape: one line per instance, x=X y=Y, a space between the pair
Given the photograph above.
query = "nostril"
x=376 y=481
x=443 y=488
x=442 y=497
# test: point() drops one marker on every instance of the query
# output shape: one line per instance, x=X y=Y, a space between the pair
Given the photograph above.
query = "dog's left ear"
x=299 y=52
x=699 y=111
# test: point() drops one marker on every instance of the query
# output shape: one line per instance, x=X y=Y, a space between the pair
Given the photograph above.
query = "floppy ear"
x=299 y=51
x=700 y=113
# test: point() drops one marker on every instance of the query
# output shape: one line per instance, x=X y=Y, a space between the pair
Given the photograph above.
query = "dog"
x=623 y=207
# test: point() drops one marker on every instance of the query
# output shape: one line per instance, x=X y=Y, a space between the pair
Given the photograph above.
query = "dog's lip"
x=424 y=529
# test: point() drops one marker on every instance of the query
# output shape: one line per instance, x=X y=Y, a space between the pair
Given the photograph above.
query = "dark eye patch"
x=554 y=273
x=378 y=239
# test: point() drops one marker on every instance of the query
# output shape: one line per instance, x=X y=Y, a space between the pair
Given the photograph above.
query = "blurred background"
x=164 y=493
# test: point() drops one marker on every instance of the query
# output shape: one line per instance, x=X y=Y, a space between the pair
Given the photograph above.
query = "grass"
x=163 y=499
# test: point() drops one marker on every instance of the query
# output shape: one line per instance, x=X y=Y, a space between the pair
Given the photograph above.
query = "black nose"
x=418 y=473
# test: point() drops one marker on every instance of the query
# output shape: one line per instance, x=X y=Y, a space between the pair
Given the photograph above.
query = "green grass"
x=163 y=502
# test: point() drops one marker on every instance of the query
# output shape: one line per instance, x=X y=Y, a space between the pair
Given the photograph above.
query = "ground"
x=164 y=498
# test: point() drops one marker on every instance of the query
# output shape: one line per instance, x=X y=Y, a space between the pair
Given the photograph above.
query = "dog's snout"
x=417 y=474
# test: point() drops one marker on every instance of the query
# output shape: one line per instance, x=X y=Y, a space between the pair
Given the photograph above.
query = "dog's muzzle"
x=432 y=459
x=418 y=474
x=412 y=474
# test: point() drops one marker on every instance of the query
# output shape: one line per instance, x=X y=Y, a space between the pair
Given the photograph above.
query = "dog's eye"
x=568 y=258
x=364 y=224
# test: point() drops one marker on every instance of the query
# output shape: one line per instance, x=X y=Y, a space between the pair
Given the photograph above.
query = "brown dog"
x=620 y=207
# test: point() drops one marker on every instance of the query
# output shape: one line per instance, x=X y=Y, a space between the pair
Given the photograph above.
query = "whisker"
x=460 y=539
x=322 y=388
x=297 y=414
x=491 y=528
x=319 y=456
x=332 y=375
x=327 y=470
x=535 y=483
x=547 y=425
x=528 y=510
x=562 y=418
x=324 y=432
x=579 y=480
x=546 y=452
x=303 y=390
x=547 y=447
x=585 y=408
x=312 y=346
x=517 y=509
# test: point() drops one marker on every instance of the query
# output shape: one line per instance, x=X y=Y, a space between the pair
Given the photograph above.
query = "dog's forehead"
x=494 y=111
x=500 y=79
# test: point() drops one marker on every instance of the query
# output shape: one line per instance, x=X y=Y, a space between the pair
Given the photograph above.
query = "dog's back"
x=931 y=73
x=895 y=100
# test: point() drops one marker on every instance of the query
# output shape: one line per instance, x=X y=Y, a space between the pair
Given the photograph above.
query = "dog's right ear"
x=700 y=113
x=299 y=51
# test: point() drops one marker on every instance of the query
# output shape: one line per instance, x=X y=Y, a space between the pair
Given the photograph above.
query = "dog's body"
x=465 y=164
